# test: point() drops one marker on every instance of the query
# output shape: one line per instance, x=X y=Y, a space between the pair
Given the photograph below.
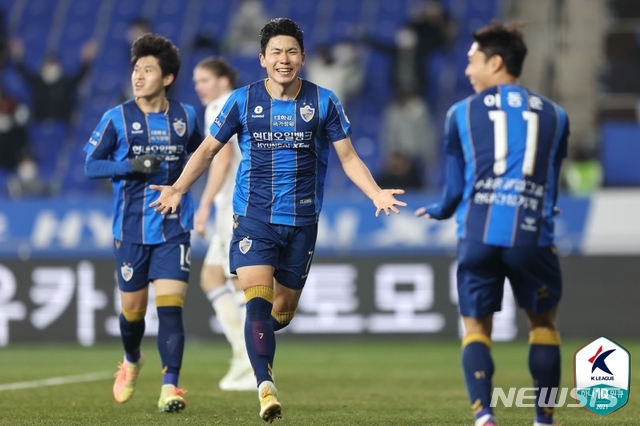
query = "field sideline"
x=400 y=381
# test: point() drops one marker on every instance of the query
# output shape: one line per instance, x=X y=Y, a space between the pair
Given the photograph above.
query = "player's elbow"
x=89 y=170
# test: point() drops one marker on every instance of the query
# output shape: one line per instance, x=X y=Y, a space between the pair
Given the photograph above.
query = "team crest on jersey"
x=245 y=245
x=307 y=112
x=126 y=270
x=179 y=126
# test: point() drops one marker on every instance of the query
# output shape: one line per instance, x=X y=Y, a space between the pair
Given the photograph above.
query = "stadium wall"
x=371 y=276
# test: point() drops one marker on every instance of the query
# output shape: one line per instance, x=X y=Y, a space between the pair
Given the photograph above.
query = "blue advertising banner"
x=58 y=228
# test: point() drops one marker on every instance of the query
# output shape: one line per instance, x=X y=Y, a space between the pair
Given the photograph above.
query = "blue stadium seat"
x=323 y=21
x=47 y=140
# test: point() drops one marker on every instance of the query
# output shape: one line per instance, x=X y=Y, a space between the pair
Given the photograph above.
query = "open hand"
x=385 y=201
x=168 y=201
x=422 y=211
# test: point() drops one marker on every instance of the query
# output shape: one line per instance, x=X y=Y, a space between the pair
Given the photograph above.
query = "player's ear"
x=496 y=62
x=168 y=79
x=263 y=63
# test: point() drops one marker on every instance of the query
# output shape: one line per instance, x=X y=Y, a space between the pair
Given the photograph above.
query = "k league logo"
x=601 y=372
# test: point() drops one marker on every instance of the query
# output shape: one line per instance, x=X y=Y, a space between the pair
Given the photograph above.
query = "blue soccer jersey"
x=511 y=143
x=126 y=132
x=285 y=148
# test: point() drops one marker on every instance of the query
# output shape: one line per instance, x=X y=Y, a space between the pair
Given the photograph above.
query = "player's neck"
x=153 y=105
x=283 y=92
x=506 y=79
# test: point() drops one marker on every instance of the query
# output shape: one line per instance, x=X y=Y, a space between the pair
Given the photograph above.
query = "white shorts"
x=218 y=251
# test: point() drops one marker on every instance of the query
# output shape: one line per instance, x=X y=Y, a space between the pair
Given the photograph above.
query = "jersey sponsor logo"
x=307 y=112
x=245 y=244
x=126 y=270
x=170 y=152
x=136 y=128
x=179 y=126
x=282 y=140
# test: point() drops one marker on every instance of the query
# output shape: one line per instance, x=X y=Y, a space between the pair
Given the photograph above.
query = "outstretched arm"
x=452 y=192
x=170 y=196
x=360 y=175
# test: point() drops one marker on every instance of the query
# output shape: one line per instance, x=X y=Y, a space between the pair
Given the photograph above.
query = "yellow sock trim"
x=133 y=316
x=283 y=317
x=261 y=291
x=544 y=336
x=169 y=300
x=477 y=337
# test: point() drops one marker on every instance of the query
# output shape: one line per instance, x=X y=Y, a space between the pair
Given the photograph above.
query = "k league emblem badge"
x=126 y=270
x=307 y=112
x=245 y=244
x=601 y=372
x=179 y=126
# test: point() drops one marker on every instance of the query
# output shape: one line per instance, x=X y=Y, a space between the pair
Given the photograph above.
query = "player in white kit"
x=214 y=80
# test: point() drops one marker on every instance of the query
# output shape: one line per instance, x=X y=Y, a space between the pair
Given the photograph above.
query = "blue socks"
x=259 y=334
x=544 y=365
x=131 y=334
x=170 y=337
x=478 y=369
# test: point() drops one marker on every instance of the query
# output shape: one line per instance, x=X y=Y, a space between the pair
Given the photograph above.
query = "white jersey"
x=218 y=253
x=225 y=195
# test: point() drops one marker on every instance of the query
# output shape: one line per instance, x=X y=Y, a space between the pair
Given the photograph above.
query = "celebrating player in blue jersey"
x=504 y=146
x=145 y=141
x=285 y=127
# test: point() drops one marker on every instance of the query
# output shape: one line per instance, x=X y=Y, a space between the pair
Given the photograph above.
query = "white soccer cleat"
x=240 y=376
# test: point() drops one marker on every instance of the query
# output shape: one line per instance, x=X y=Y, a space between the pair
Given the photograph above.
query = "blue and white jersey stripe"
x=513 y=142
x=126 y=132
x=285 y=149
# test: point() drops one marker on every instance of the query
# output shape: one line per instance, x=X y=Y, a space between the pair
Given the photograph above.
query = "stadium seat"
x=76 y=21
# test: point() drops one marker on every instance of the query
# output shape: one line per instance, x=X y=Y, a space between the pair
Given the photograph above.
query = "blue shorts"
x=289 y=249
x=138 y=264
x=534 y=273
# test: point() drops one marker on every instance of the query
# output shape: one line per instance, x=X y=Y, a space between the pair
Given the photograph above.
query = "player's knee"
x=477 y=338
x=259 y=302
x=133 y=316
x=259 y=292
x=544 y=336
x=281 y=319
x=170 y=300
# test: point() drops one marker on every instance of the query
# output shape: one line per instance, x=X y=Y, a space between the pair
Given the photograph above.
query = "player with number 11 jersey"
x=509 y=143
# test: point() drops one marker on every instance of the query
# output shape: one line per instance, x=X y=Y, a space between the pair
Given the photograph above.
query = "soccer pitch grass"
x=400 y=381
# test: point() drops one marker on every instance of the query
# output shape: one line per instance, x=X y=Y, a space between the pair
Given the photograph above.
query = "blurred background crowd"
x=397 y=66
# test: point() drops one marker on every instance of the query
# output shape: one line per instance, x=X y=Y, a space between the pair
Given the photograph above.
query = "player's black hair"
x=220 y=67
x=278 y=27
x=161 y=48
x=505 y=41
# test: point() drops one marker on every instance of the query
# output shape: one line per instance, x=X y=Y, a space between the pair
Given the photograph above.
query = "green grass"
x=327 y=382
